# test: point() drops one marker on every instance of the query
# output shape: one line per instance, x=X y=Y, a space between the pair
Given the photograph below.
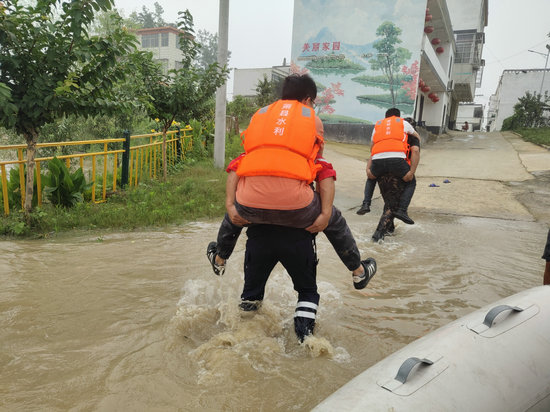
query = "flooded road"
x=137 y=321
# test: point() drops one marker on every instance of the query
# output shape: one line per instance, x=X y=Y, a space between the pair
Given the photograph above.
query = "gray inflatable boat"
x=494 y=359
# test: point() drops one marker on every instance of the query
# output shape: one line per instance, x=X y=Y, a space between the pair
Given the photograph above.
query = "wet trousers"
x=337 y=232
x=294 y=248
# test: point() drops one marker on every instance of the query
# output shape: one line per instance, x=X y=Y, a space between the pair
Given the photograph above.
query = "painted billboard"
x=364 y=55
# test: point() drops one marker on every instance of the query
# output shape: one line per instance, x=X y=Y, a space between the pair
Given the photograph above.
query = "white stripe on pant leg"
x=306 y=304
x=303 y=314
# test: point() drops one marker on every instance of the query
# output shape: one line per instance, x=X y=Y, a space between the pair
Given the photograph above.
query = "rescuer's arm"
x=230 y=193
x=415 y=158
x=369 y=173
x=326 y=191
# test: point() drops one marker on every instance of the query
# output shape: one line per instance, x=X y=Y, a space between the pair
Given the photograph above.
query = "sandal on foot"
x=211 y=252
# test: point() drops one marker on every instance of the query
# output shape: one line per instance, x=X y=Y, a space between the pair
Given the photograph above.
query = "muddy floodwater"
x=138 y=321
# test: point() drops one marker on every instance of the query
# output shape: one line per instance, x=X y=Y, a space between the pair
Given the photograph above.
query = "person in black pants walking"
x=295 y=249
x=393 y=139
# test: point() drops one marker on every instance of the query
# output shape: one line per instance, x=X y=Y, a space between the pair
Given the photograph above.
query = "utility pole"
x=221 y=98
x=545 y=65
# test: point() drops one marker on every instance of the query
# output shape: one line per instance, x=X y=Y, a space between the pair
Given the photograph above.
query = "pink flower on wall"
x=324 y=100
x=411 y=85
x=295 y=69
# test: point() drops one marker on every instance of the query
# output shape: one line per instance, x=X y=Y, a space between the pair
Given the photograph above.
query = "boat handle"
x=407 y=366
x=493 y=313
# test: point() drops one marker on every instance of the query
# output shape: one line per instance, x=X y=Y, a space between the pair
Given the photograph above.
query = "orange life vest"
x=389 y=136
x=281 y=140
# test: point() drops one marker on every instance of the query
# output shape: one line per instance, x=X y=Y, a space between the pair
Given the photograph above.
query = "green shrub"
x=62 y=187
x=243 y=109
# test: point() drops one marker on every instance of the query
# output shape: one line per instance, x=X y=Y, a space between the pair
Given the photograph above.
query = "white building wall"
x=467 y=14
x=436 y=69
x=433 y=112
x=513 y=85
x=169 y=56
x=466 y=113
x=246 y=80
x=492 y=111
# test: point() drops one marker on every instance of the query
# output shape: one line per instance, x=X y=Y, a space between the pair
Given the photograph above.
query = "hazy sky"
x=260 y=32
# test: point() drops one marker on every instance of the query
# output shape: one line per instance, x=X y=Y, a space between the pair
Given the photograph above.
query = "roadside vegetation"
x=540 y=135
x=194 y=189
x=531 y=118
x=189 y=193
x=102 y=87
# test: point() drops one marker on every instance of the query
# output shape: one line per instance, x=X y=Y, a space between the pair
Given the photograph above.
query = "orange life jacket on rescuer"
x=281 y=140
x=389 y=136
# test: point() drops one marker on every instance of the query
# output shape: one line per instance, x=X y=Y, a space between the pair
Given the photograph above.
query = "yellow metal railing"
x=144 y=159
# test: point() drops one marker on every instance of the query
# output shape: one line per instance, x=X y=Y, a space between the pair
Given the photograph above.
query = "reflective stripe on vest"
x=281 y=140
x=389 y=136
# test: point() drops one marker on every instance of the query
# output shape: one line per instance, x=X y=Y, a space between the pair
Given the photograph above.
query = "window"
x=478 y=112
x=465 y=46
x=164 y=40
x=468 y=46
x=149 y=40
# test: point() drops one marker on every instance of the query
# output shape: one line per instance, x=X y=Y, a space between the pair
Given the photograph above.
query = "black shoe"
x=402 y=215
x=364 y=209
x=369 y=265
x=211 y=252
x=377 y=236
x=303 y=327
x=250 y=305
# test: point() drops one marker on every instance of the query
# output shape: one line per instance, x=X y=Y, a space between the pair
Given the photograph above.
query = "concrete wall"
x=361 y=133
x=349 y=133
x=513 y=85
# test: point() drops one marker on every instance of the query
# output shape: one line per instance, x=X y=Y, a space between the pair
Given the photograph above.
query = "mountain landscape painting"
x=364 y=55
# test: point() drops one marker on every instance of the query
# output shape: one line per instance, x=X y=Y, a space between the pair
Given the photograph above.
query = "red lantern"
x=427 y=10
x=428 y=29
x=436 y=41
x=426 y=89
x=428 y=18
x=439 y=50
x=431 y=95
x=421 y=83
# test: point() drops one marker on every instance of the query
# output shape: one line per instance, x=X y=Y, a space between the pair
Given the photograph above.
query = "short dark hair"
x=394 y=111
x=411 y=121
x=299 y=87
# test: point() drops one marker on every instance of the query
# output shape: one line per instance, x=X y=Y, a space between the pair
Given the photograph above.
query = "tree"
x=208 y=49
x=529 y=112
x=242 y=109
x=50 y=65
x=147 y=19
x=265 y=92
x=185 y=92
x=389 y=58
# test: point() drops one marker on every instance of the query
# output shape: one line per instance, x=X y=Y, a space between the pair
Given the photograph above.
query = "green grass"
x=190 y=193
x=540 y=135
